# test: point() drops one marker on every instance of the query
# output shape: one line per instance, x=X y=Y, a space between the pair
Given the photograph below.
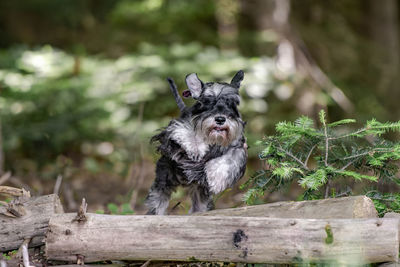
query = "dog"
x=204 y=149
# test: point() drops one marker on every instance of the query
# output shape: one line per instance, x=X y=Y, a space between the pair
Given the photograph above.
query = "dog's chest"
x=186 y=137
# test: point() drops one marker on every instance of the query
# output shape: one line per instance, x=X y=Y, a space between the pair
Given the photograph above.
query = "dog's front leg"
x=224 y=171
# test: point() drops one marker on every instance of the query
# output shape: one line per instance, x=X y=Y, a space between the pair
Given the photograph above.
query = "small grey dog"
x=204 y=149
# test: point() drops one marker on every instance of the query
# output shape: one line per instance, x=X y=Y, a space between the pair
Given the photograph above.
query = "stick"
x=57 y=185
x=25 y=256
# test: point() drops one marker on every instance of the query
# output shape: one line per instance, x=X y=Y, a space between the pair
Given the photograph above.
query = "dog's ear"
x=194 y=84
x=237 y=79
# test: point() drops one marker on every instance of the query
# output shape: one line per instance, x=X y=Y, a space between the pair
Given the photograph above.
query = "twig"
x=175 y=206
x=345 y=193
x=293 y=157
x=309 y=154
x=326 y=143
x=58 y=184
x=25 y=255
x=347 y=165
x=81 y=216
x=368 y=152
x=146 y=263
x=20 y=250
x=349 y=134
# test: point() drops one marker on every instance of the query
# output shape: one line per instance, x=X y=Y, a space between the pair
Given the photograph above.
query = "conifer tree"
x=315 y=157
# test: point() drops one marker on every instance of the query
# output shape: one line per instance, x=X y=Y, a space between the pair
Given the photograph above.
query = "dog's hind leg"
x=157 y=201
x=201 y=199
x=160 y=192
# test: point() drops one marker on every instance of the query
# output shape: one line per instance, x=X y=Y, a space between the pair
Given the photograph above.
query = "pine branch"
x=348 y=165
x=382 y=150
x=356 y=133
x=341 y=122
x=289 y=151
x=293 y=157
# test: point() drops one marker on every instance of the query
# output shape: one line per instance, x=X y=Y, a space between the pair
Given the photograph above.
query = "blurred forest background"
x=82 y=82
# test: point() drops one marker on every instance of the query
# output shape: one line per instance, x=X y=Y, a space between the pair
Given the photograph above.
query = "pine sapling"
x=315 y=157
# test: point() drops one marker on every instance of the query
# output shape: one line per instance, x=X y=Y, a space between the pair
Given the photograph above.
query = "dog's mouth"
x=219 y=129
x=219 y=132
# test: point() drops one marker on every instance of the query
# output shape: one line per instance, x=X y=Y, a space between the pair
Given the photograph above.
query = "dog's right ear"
x=194 y=84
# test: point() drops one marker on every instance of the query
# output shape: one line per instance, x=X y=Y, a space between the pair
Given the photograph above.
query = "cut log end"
x=33 y=222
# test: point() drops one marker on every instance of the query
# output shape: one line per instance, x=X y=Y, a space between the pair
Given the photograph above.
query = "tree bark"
x=331 y=208
x=226 y=13
x=33 y=222
x=224 y=238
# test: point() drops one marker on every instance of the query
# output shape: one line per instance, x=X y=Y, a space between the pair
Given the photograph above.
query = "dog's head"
x=215 y=114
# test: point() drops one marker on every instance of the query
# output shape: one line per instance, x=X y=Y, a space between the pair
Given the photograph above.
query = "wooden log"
x=12 y=191
x=335 y=208
x=392 y=215
x=32 y=223
x=222 y=238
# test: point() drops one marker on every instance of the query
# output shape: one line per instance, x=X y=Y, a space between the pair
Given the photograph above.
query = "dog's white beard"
x=222 y=135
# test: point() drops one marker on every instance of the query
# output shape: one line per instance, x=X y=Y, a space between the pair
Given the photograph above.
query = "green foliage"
x=124 y=209
x=9 y=255
x=93 y=110
x=385 y=202
x=315 y=157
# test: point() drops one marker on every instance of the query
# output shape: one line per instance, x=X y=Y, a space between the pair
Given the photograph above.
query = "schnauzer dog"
x=204 y=149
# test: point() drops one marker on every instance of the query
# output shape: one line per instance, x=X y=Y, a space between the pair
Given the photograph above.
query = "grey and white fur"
x=204 y=149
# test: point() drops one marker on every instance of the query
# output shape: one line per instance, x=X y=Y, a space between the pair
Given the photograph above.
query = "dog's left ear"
x=237 y=79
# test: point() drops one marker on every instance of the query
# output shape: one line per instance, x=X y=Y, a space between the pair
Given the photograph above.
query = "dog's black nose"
x=220 y=120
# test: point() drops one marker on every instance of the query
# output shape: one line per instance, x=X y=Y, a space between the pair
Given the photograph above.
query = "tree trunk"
x=226 y=13
x=385 y=34
x=228 y=239
x=1 y=150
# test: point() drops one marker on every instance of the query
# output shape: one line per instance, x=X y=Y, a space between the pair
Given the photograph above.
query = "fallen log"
x=223 y=238
x=335 y=208
x=26 y=218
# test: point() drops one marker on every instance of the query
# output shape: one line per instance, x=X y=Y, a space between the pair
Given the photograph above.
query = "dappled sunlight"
x=46 y=62
x=109 y=92
x=286 y=62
